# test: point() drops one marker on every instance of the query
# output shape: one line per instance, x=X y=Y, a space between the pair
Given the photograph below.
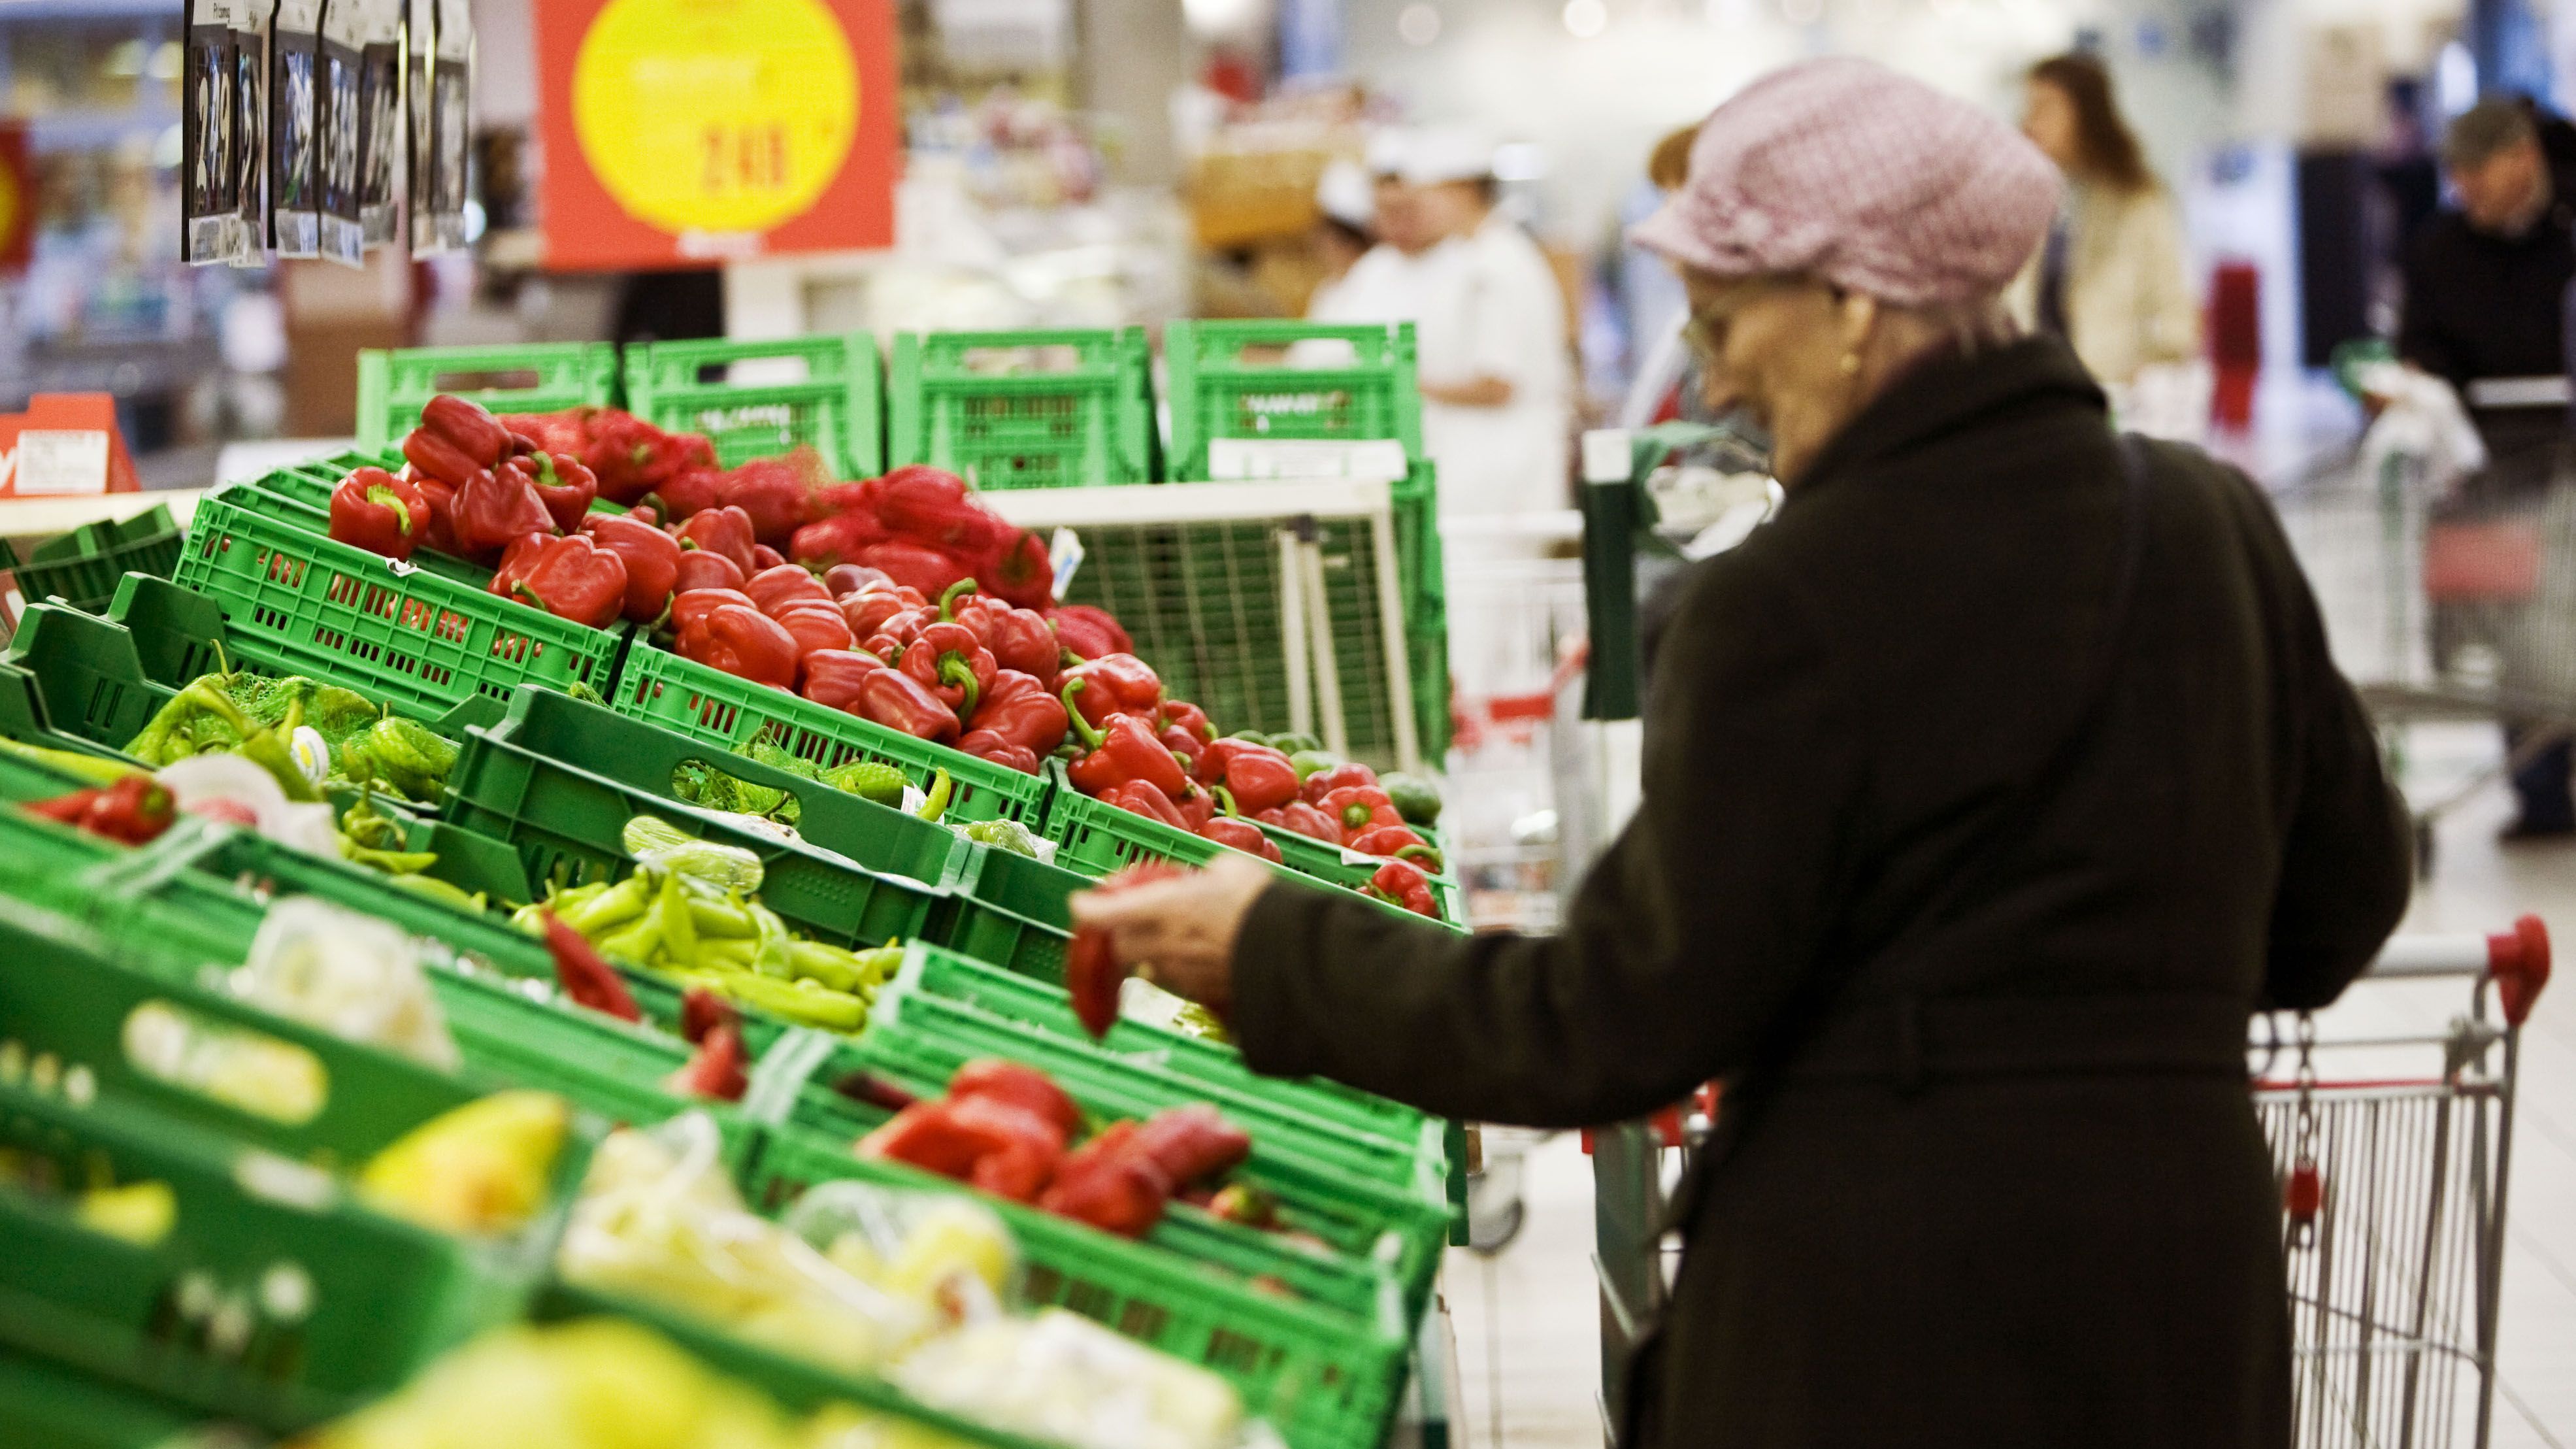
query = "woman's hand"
x=1180 y=934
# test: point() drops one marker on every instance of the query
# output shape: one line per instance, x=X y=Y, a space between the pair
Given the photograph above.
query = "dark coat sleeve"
x=2347 y=855
x=2422 y=338
x=1682 y=945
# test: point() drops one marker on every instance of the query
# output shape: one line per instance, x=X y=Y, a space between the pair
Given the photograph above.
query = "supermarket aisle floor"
x=1545 y=1353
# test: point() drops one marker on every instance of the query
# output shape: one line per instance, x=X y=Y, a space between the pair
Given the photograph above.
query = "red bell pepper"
x=652 y=560
x=1122 y=751
x=838 y=540
x=1192 y=1144
x=441 y=532
x=374 y=510
x=1088 y=632
x=1396 y=842
x=832 y=677
x=745 y=643
x=765 y=558
x=134 y=810
x=630 y=456
x=989 y=746
x=1305 y=820
x=1406 y=886
x=1138 y=798
x=702 y=1011
x=948 y=662
x=692 y=490
x=846 y=579
x=690 y=607
x=898 y=701
x=1182 y=743
x=1022 y=712
x=585 y=975
x=1115 y=684
x=570 y=578
x=1020 y=571
x=702 y=570
x=997 y=1146
x=1243 y=835
x=1109 y=1185
x=1183 y=715
x=1019 y=639
x=1023 y=1086
x=930 y=505
x=772 y=587
x=1357 y=807
x=1196 y=807
x=724 y=531
x=715 y=1071
x=567 y=431
x=1339 y=777
x=457 y=438
x=777 y=492
x=561 y=484
x=870 y=608
x=495 y=510
x=1260 y=777
x=815 y=625
x=1092 y=973
x=914 y=565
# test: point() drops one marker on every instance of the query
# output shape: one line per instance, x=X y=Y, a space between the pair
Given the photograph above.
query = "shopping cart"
x=2393 y=1187
x=2393 y=1199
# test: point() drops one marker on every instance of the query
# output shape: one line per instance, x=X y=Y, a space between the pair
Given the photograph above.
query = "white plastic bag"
x=351 y=975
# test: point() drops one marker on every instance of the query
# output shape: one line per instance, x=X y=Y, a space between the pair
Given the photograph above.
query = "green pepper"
x=439 y=890
x=611 y=907
x=834 y=967
x=1310 y=763
x=367 y=826
x=405 y=754
x=1415 y=798
x=935 y=803
x=268 y=750
x=1294 y=742
x=805 y=1002
x=95 y=770
x=391 y=862
x=770 y=959
x=671 y=918
x=725 y=920
x=1008 y=835
x=869 y=780
x=733 y=955
x=636 y=942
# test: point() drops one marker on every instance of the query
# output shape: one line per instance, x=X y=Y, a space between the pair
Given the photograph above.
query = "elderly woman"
x=1987 y=791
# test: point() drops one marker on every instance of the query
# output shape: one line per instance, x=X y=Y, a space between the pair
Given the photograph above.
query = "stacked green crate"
x=535 y=377
x=1035 y=409
x=761 y=399
x=81 y=567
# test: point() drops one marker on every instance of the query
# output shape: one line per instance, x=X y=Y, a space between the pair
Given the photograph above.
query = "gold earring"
x=1851 y=364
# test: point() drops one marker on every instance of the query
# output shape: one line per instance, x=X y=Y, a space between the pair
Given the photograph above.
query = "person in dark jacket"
x=2486 y=311
x=1987 y=791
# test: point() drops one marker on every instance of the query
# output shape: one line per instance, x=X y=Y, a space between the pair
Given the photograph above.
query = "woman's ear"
x=1859 y=315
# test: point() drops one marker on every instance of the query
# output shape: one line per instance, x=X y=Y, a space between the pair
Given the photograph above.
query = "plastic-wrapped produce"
x=1062 y=1377
x=351 y=975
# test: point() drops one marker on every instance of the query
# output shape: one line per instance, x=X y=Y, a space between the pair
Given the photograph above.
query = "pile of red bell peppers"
x=1008 y=1129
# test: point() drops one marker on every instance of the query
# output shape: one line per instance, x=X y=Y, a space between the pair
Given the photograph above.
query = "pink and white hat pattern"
x=1844 y=170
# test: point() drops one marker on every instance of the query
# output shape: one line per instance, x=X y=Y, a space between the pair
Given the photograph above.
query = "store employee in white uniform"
x=1492 y=356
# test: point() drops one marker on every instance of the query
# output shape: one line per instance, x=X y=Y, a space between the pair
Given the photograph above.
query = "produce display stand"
x=1044 y=409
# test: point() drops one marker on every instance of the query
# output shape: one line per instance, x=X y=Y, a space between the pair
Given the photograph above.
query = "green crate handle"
x=394 y=386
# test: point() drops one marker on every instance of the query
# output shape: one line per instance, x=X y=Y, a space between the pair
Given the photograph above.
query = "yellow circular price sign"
x=715 y=115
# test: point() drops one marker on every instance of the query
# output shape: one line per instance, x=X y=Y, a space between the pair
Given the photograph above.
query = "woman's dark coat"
x=1988 y=1173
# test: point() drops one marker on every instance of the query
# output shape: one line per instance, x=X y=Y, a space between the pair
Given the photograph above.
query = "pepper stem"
x=1429 y=857
x=1082 y=728
x=1225 y=802
x=948 y=600
x=956 y=672
x=388 y=498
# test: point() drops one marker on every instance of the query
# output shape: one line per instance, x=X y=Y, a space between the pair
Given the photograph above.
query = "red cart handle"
x=2518 y=960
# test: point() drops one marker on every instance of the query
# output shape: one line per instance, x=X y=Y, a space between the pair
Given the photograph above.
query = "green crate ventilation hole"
x=1202 y=602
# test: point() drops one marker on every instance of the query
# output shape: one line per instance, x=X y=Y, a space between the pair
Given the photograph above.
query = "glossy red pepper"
x=1406 y=886
x=1021 y=711
x=777 y=492
x=562 y=485
x=1191 y=1144
x=1339 y=777
x=567 y=431
x=816 y=625
x=745 y=643
x=1116 y=684
x=692 y=490
x=838 y=541
x=847 y=579
x=1357 y=807
x=1189 y=718
x=765 y=558
x=1260 y=777
x=914 y=565
x=1138 y=798
x=987 y=745
x=1396 y=842
x=457 y=438
x=832 y=677
x=1019 y=571
x=772 y=587
x=702 y=1011
x=1196 y=807
x=1088 y=632
x=702 y=570
x=1243 y=835
x=585 y=975
x=898 y=701
x=1123 y=750
x=723 y=531
x=1019 y=638
x=630 y=456
x=869 y=609
x=948 y=662
x=1109 y=1185
x=690 y=607
x=1022 y=1086
x=998 y=1146
x=1305 y=820
x=1092 y=973
x=570 y=578
x=134 y=810
x=930 y=505
x=495 y=510
x=441 y=532
x=715 y=1071
x=374 y=510
x=899 y=630
x=652 y=560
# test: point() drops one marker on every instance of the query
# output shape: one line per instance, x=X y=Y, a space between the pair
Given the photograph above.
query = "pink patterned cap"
x=1844 y=170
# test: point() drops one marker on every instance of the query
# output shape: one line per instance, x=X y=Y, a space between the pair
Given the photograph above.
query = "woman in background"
x=2110 y=279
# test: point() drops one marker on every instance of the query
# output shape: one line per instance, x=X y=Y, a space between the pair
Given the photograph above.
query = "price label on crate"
x=1256 y=460
x=705 y=129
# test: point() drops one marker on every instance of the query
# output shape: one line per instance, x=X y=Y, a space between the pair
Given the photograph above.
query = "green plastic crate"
x=301 y=603
x=708 y=704
x=1045 y=409
x=536 y=377
x=747 y=399
x=301 y=495
x=1226 y=380
x=81 y=567
x=1324 y=1377
x=276 y=1297
x=1096 y=839
x=47 y=1404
